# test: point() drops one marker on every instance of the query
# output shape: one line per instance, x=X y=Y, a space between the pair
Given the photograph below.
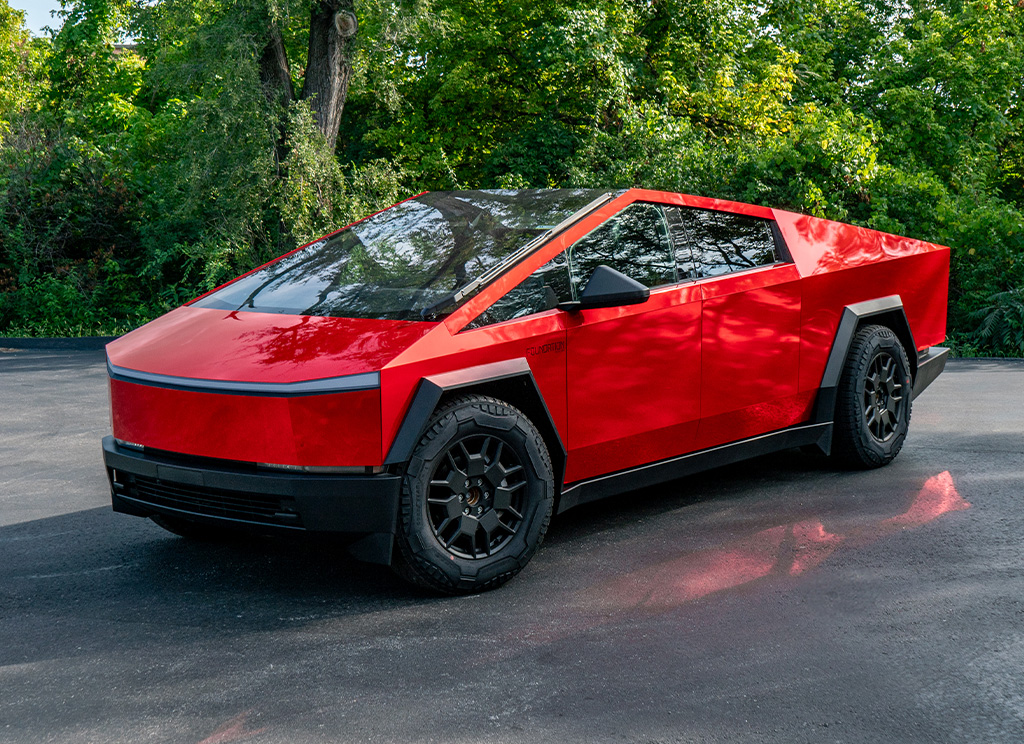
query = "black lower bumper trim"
x=930 y=364
x=147 y=485
x=694 y=462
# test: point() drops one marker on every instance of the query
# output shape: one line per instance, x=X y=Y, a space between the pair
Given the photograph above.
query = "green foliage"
x=131 y=180
x=22 y=61
x=98 y=299
x=477 y=91
x=317 y=197
x=1001 y=327
x=92 y=84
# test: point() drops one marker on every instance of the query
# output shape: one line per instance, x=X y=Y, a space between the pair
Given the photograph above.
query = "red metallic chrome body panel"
x=633 y=382
x=820 y=246
x=843 y=265
x=750 y=354
x=209 y=344
x=335 y=429
x=699 y=364
x=827 y=294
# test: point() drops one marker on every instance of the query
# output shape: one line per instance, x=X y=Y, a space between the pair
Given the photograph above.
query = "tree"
x=328 y=69
x=239 y=129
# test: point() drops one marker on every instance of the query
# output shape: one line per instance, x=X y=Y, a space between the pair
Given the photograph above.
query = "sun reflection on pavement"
x=234 y=730
x=784 y=550
x=789 y=549
x=939 y=496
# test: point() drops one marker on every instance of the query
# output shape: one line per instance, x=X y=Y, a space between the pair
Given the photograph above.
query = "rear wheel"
x=476 y=498
x=873 y=404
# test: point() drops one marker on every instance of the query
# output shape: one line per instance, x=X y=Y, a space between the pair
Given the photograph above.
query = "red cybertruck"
x=433 y=382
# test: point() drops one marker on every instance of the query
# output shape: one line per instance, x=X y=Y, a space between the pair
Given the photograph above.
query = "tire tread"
x=409 y=562
x=850 y=445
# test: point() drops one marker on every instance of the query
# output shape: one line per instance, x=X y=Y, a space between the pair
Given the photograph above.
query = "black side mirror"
x=609 y=288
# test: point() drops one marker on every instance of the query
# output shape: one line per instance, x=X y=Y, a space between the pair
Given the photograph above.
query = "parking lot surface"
x=778 y=600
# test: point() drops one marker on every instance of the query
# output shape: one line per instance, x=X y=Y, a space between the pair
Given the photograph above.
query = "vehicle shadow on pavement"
x=101 y=565
x=722 y=486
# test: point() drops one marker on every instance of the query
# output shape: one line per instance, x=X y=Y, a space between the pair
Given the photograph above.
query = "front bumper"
x=238 y=497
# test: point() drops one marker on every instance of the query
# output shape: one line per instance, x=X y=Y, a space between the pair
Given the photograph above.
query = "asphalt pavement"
x=777 y=600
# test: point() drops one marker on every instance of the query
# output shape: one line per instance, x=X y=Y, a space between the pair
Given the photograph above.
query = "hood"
x=209 y=344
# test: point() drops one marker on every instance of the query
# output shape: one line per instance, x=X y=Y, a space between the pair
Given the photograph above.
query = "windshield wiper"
x=432 y=312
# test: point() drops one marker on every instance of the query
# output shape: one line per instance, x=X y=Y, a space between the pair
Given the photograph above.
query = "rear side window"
x=721 y=242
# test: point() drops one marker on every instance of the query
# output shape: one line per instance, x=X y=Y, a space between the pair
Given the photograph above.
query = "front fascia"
x=214 y=346
x=221 y=494
x=320 y=430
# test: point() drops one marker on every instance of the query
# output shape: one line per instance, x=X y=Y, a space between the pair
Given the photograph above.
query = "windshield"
x=407 y=262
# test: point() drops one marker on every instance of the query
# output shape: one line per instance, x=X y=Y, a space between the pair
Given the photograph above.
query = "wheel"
x=191 y=530
x=873 y=401
x=476 y=498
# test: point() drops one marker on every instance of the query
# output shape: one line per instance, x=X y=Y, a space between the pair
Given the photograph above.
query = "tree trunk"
x=332 y=30
x=275 y=74
x=276 y=80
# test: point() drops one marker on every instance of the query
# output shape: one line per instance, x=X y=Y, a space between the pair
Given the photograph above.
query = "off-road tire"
x=873 y=400
x=468 y=528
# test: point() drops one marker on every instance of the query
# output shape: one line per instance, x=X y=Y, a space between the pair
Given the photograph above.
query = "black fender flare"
x=512 y=375
x=889 y=311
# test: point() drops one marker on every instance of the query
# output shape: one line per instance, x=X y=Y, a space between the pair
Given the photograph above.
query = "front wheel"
x=873 y=404
x=476 y=498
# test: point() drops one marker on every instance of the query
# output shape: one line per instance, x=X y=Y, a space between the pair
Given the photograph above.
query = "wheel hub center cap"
x=473 y=497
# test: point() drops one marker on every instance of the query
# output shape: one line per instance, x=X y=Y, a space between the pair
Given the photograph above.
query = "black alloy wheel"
x=477 y=494
x=884 y=397
x=874 y=399
x=476 y=498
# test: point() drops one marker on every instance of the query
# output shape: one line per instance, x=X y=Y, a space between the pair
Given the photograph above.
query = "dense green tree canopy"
x=134 y=177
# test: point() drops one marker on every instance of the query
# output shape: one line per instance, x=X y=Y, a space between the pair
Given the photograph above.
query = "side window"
x=635 y=241
x=540 y=291
x=728 y=242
